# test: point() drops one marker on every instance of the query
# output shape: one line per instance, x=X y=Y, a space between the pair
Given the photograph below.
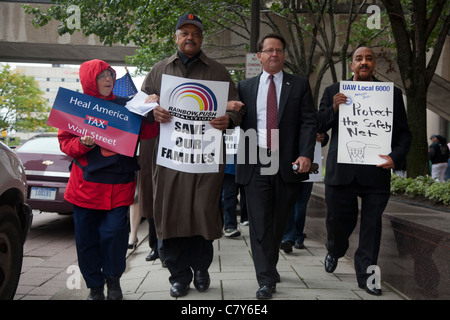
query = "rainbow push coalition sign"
x=189 y=143
x=203 y=98
x=112 y=126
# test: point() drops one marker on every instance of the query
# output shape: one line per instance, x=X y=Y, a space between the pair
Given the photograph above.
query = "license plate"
x=43 y=193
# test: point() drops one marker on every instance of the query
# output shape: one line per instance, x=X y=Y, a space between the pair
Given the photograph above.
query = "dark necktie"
x=272 y=112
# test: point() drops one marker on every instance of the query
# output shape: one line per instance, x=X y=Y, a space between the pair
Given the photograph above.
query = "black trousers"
x=153 y=241
x=342 y=218
x=186 y=254
x=270 y=201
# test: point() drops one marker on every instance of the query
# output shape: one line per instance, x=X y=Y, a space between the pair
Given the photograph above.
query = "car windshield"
x=48 y=145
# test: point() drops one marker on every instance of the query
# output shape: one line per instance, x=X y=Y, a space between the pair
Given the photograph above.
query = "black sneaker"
x=231 y=233
x=114 y=290
x=96 y=294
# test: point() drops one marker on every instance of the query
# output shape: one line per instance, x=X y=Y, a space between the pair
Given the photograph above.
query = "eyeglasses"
x=103 y=76
x=271 y=51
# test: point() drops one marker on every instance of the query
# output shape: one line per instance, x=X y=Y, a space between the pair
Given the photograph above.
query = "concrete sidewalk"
x=302 y=272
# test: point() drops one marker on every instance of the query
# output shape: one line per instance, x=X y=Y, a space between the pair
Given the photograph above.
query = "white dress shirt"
x=261 y=104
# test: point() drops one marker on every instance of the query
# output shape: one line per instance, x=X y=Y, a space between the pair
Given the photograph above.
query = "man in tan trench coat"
x=186 y=205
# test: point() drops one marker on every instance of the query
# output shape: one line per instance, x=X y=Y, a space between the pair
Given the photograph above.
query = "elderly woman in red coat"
x=101 y=188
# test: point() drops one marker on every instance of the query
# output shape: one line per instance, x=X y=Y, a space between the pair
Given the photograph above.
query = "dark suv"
x=15 y=220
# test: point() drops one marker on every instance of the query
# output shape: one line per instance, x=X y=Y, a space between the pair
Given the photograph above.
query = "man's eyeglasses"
x=271 y=51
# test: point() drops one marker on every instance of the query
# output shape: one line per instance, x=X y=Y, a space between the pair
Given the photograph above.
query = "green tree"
x=318 y=40
x=149 y=24
x=320 y=29
x=418 y=26
x=309 y=26
x=22 y=106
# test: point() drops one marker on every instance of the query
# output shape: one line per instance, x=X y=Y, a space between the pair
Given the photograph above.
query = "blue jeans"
x=296 y=224
x=447 y=172
x=101 y=238
x=229 y=201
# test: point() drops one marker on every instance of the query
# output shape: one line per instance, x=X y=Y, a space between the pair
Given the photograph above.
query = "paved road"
x=48 y=252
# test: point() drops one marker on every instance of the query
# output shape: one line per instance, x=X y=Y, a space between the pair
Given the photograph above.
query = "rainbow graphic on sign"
x=202 y=94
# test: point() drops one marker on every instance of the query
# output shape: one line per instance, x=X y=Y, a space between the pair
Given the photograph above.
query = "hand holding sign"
x=339 y=99
x=87 y=141
x=161 y=115
x=220 y=123
x=389 y=164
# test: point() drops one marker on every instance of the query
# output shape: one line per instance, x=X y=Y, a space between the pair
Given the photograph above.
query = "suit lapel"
x=253 y=92
x=286 y=87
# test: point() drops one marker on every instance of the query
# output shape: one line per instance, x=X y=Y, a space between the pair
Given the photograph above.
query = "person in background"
x=230 y=192
x=242 y=206
x=439 y=156
x=101 y=188
x=134 y=221
x=294 y=235
x=143 y=207
x=148 y=137
x=447 y=172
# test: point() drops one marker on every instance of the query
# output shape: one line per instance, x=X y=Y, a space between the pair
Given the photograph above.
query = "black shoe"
x=179 y=289
x=231 y=233
x=265 y=291
x=201 y=280
x=96 y=294
x=299 y=245
x=286 y=246
x=372 y=291
x=330 y=263
x=153 y=255
x=133 y=245
x=114 y=290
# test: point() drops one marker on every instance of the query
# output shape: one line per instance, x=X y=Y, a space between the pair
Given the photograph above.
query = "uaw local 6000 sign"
x=365 y=122
x=112 y=126
x=189 y=143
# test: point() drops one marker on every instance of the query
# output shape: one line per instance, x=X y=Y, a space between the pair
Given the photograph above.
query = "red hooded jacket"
x=88 y=194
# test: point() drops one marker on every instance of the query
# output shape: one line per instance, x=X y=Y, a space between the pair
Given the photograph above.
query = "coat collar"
x=373 y=78
x=176 y=57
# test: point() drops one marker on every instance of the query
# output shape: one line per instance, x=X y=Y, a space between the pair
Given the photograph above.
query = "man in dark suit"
x=345 y=182
x=270 y=182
